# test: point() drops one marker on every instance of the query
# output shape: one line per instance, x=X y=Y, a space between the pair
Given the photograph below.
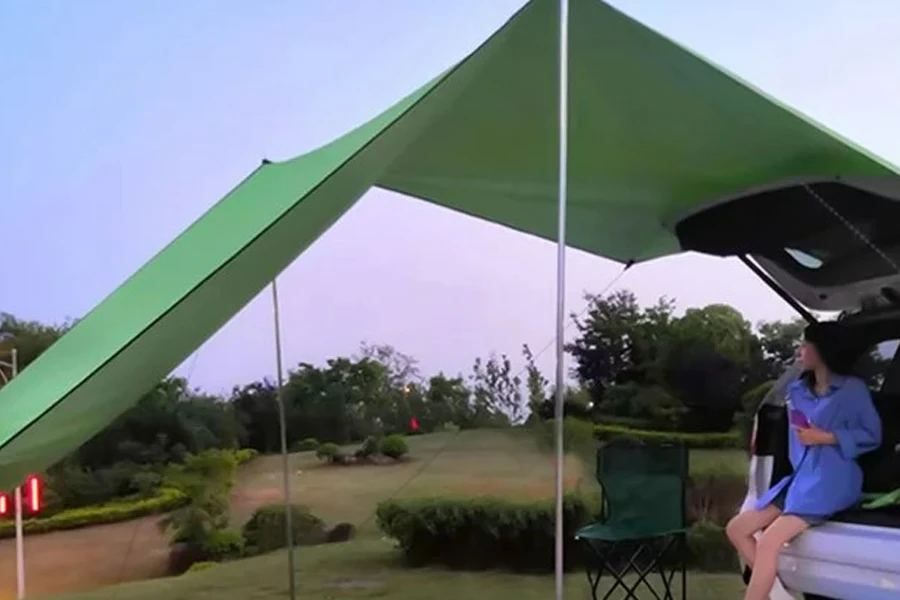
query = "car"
x=824 y=247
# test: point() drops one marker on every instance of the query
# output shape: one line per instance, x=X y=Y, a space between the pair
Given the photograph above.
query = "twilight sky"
x=122 y=122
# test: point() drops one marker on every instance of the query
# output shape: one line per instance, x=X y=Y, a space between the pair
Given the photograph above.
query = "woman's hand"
x=813 y=436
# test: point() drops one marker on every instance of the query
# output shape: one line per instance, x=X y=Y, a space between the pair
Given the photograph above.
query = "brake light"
x=4 y=505
x=33 y=491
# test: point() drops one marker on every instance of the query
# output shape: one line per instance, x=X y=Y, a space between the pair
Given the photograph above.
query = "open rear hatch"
x=830 y=245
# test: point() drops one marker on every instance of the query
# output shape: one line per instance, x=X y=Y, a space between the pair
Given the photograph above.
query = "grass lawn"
x=503 y=463
x=369 y=569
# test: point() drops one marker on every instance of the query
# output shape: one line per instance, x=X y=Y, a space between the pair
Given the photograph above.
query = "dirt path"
x=83 y=559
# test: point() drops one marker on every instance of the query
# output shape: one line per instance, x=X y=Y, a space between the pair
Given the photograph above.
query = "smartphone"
x=798 y=419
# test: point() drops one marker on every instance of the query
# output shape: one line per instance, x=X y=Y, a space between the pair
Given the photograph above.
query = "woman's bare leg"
x=780 y=532
x=743 y=528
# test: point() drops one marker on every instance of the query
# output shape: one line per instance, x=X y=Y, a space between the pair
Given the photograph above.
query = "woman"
x=833 y=421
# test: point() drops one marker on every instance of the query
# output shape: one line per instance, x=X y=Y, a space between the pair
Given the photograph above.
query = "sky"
x=122 y=122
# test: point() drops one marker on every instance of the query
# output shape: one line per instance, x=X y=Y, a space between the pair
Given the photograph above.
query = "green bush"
x=750 y=403
x=714 y=497
x=394 y=446
x=730 y=439
x=307 y=445
x=330 y=452
x=203 y=565
x=245 y=455
x=369 y=448
x=752 y=399
x=578 y=435
x=113 y=512
x=265 y=531
x=206 y=479
x=224 y=544
x=483 y=532
x=709 y=549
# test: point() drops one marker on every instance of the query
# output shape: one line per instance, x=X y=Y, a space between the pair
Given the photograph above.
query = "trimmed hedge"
x=483 y=532
x=114 y=512
x=265 y=531
x=486 y=533
x=729 y=439
x=306 y=445
x=394 y=446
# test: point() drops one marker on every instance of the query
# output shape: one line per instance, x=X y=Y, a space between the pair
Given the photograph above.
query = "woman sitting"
x=833 y=421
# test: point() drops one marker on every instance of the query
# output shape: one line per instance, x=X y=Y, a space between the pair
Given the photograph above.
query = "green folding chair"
x=644 y=526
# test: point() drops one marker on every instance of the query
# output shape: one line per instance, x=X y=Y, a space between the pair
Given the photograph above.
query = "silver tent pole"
x=561 y=285
x=285 y=459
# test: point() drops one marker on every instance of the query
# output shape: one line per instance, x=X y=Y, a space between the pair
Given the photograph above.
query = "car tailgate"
x=841 y=560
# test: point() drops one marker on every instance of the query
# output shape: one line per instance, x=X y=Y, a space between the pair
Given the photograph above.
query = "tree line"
x=635 y=365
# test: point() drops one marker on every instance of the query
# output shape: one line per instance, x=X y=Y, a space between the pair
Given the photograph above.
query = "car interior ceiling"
x=787 y=224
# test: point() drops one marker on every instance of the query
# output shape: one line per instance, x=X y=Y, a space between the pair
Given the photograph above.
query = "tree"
x=779 y=342
x=449 y=401
x=534 y=381
x=619 y=341
x=497 y=393
x=29 y=338
x=709 y=354
x=402 y=368
x=720 y=327
x=256 y=409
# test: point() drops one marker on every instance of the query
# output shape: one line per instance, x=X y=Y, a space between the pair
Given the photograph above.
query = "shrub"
x=450 y=427
x=578 y=435
x=482 y=532
x=206 y=479
x=77 y=486
x=245 y=455
x=715 y=497
x=330 y=452
x=146 y=482
x=113 y=512
x=369 y=448
x=752 y=399
x=709 y=549
x=730 y=439
x=307 y=445
x=203 y=565
x=651 y=405
x=265 y=531
x=342 y=532
x=224 y=544
x=394 y=446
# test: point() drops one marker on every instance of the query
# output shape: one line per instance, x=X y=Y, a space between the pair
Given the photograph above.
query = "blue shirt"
x=826 y=479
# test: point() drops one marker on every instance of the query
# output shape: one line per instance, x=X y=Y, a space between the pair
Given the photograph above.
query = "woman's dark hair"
x=837 y=346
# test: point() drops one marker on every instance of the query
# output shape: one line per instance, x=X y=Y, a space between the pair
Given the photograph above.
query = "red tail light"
x=5 y=505
x=33 y=494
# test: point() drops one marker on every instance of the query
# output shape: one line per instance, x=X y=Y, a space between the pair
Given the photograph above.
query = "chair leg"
x=605 y=556
x=592 y=555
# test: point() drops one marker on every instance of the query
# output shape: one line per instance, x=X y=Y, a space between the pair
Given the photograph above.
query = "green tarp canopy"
x=655 y=133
